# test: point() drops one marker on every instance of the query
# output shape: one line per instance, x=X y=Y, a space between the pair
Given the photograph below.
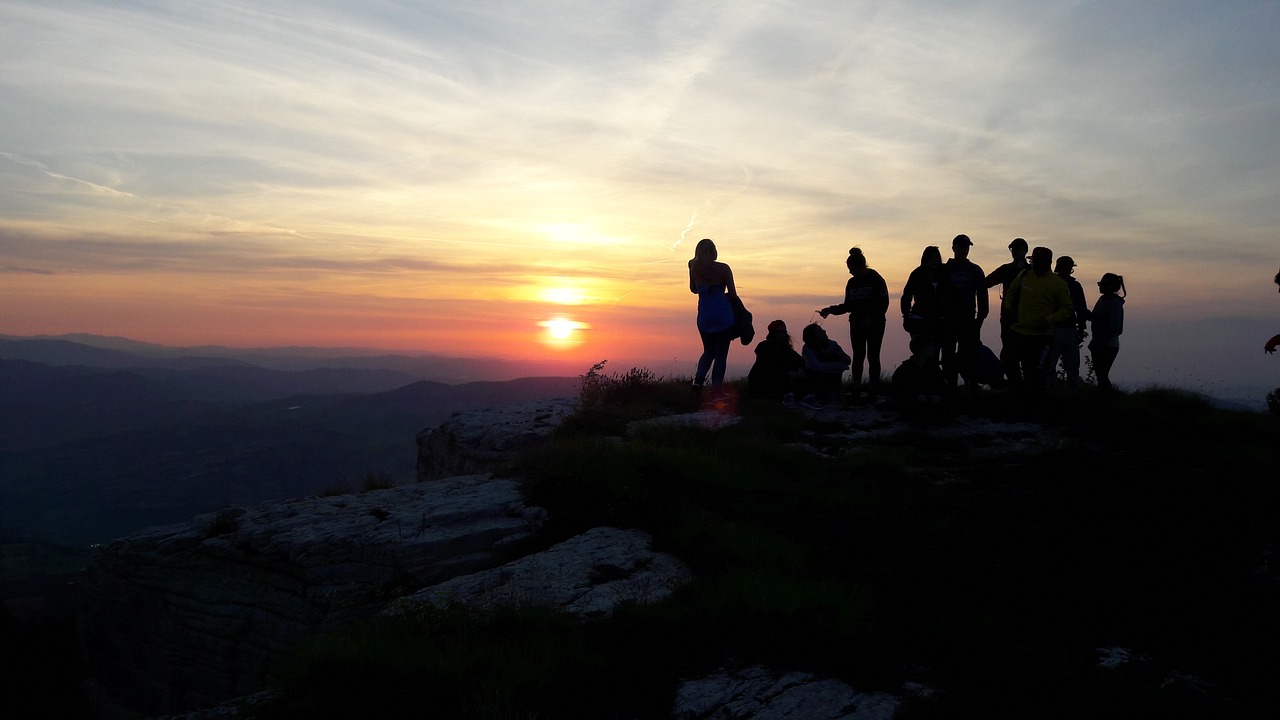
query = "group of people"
x=1044 y=319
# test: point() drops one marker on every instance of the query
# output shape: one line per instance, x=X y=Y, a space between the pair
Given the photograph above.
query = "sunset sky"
x=527 y=179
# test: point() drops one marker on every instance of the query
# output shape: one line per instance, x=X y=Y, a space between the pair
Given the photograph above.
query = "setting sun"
x=562 y=330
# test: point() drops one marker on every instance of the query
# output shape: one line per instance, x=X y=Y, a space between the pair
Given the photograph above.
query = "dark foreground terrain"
x=971 y=582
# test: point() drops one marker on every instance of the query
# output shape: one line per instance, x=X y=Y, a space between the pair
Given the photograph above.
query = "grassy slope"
x=993 y=582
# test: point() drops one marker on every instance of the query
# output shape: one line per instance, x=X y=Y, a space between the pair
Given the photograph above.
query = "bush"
x=1273 y=402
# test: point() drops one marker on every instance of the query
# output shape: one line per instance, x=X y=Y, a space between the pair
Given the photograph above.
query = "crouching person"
x=824 y=365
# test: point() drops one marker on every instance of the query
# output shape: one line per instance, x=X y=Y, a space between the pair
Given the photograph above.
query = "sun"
x=561 y=330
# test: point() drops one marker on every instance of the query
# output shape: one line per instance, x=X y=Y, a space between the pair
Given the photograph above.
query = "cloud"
x=380 y=145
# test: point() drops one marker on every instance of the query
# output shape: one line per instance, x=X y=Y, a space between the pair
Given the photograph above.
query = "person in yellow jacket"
x=1036 y=299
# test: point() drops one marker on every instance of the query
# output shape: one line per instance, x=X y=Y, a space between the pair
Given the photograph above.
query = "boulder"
x=588 y=576
x=482 y=440
x=184 y=616
x=755 y=693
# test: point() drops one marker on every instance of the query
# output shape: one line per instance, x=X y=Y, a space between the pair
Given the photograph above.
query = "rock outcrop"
x=184 y=616
x=588 y=576
x=757 y=693
x=480 y=440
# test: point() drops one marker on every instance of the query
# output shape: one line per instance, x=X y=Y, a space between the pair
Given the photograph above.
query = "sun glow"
x=561 y=330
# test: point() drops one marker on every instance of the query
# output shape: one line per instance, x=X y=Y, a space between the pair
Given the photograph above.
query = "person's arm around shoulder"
x=984 y=302
x=997 y=276
x=1011 y=294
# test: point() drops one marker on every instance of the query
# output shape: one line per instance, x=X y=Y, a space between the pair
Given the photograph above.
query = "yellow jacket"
x=1040 y=301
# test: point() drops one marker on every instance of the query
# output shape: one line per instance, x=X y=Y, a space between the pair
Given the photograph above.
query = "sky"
x=527 y=180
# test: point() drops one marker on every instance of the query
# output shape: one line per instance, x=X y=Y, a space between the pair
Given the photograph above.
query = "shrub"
x=606 y=403
x=600 y=390
x=1273 y=402
x=371 y=480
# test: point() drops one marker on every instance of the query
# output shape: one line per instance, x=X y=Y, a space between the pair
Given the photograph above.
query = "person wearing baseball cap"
x=1036 y=300
x=1069 y=334
x=967 y=308
x=1002 y=276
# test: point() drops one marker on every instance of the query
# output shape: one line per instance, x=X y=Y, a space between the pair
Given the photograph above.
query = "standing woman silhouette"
x=1107 y=320
x=866 y=299
x=712 y=282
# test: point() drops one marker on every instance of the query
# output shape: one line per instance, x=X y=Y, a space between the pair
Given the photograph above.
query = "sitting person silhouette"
x=918 y=376
x=778 y=368
x=824 y=364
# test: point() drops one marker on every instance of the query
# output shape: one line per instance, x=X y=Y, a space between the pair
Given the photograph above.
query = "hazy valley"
x=99 y=440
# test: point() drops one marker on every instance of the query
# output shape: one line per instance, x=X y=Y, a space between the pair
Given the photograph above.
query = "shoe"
x=811 y=402
x=696 y=388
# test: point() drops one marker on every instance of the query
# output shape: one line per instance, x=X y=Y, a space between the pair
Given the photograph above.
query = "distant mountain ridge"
x=102 y=351
x=96 y=442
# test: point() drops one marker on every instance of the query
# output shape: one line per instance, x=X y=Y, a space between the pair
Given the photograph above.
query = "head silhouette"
x=1111 y=283
x=813 y=334
x=1041 y=260
x=705 y=252
x=1018 y=248
x=857 y=262
x=931 y=257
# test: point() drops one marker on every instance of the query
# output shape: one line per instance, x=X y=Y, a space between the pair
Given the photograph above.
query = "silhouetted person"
x=1107 y=322
x=712 y=282
x=1069 y=334
x=866 y=300
x=918 y=375
x=778 y=368
x=967 y=308
x=1036 y=299
x=1002 y=276
x=924 y=302
x=824 y=364
x=1270 y=347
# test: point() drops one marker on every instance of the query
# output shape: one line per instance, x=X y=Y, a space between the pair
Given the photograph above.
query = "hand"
x=824 y=312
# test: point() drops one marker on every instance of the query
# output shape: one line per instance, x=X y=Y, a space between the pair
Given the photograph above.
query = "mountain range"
x=103 y=436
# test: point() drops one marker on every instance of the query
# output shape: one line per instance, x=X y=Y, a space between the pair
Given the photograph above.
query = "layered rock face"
x=480 y=440
x=184 y=616
x=588 y=576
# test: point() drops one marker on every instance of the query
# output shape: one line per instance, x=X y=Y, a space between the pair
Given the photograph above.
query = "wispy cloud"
x=375 y=143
